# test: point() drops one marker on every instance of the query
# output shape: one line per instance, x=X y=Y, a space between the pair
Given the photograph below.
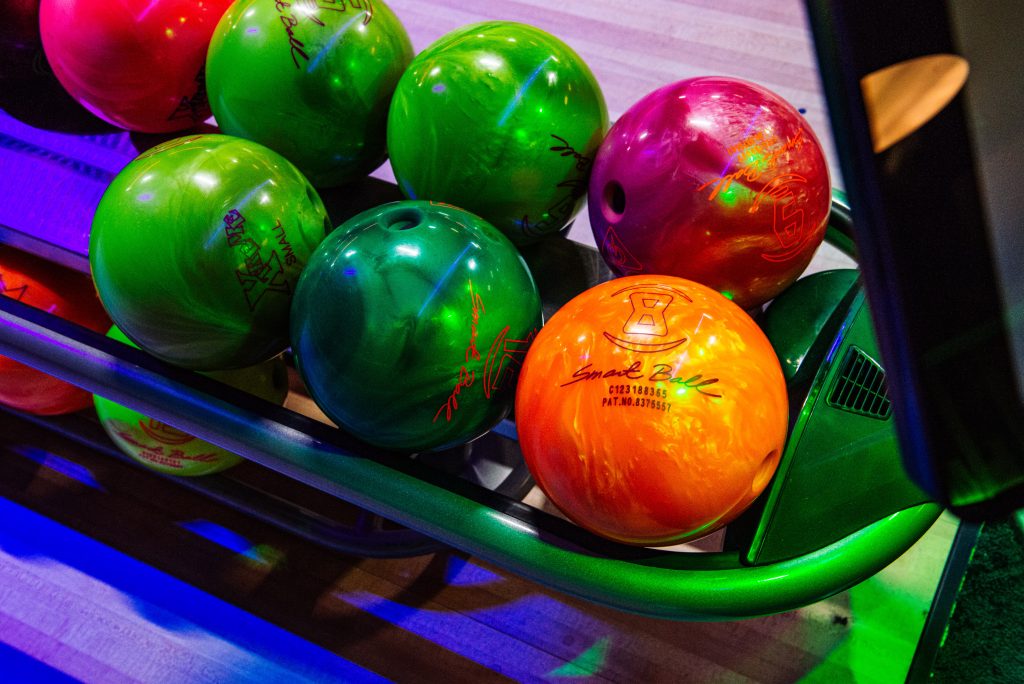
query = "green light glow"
x=264 y=555
x=586 y=664
x=885 y=620
x=728 y=197
x=869 y=650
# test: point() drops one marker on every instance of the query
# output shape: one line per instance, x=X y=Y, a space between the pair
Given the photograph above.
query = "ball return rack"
x=56 y=169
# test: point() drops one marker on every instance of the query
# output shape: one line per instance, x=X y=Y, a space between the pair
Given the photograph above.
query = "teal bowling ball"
x=410 y=323
x=196 y=248
x=503 y=120
x=312 y=81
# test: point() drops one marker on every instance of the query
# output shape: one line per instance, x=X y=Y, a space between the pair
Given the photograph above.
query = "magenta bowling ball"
x=137 y=64
x=712 y=179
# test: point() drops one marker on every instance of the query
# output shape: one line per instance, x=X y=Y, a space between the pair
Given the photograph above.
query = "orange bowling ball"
x=651 y=410
x=59 y=291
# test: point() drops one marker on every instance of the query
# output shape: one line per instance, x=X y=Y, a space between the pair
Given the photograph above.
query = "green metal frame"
x=660 y=583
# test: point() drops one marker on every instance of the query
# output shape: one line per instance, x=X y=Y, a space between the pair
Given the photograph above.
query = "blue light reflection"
x=76 y=472
x=236 y=646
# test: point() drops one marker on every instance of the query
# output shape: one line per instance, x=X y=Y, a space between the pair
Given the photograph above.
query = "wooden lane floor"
x=112 y=573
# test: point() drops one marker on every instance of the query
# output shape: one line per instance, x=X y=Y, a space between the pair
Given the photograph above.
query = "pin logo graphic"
x=788 y=218
x=617 y=255
x=649 y=303
x=504 y=359
x=13 y=292
x=164 y=433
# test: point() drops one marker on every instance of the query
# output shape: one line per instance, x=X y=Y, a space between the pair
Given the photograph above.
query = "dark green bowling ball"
x=410 y=323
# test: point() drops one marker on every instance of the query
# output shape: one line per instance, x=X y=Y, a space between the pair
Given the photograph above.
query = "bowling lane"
x=112 y=573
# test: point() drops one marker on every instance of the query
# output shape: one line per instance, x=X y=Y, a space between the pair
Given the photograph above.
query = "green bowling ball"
x=166 y=449
x=410 y=323
x=196 y=247
x=503 y=120
x=310 y=80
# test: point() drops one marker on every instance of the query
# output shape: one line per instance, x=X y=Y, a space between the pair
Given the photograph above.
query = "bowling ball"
x=137 y=64
x=311 y=80
x=651 y=410
x=196 y=247
x=503 y=120
x=167 y=449
x=59 y=291
x=715 y=180
x=410 y=323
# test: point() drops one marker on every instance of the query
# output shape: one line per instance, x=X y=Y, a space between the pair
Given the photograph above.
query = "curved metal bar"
x=655 y=583
x=356 y=540
x=839 y=232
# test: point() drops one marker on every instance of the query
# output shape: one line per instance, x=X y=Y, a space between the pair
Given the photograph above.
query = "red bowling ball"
x=712 y=179
x=63 y=293
x=138 y=64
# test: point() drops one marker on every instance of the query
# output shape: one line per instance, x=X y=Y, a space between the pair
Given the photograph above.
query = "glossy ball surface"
x=196 y=248
x=795 y=321
x=58 y=291
x=715 y=180
x=137 y=64
x=503 y=120
x=166 y=449
x=311 y=81
x=410 y=324
x=651 y=410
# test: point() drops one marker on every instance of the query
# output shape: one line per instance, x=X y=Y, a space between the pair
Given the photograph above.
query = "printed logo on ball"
x=649 y=303
x=647 y=328
x=617 y=255
x=164 y=433
x=16 y=293
x=753 y=157
x=260 y=274
x=500 y=367
x=136 y=444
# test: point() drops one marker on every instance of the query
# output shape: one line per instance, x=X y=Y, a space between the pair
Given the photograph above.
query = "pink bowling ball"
x=715 y=180
x=138 y=64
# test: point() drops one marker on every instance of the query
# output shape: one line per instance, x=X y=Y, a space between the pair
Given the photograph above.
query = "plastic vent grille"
x=860 y=387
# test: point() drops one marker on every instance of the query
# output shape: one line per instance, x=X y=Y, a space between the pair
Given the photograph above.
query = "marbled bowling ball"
x=196 y=248
x=312 y=81
x=59 y=291
x=137 y=64
x=166 y=449
x=503 y=120
x=410 y=324
x=651 y=410
x=715 y=180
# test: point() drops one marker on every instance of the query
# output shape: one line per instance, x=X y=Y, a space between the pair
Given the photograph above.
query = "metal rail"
x=458 y=513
